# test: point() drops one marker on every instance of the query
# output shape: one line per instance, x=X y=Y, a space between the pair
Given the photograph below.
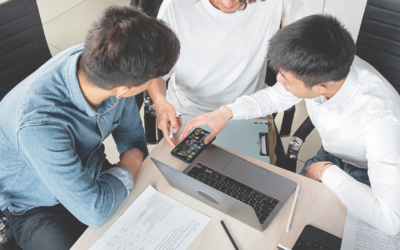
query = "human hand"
x=131 y=159
x=216 y=120
x=166 y=117
x=313 y=170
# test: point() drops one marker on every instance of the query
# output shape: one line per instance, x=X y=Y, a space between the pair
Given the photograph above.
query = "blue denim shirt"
x=51 y=144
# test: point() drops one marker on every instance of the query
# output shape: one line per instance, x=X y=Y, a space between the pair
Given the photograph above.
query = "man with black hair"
x=354 y=108
x=55 y=179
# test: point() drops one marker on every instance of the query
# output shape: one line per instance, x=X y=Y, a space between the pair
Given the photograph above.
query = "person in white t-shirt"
x=354 y=108
x=223 y=49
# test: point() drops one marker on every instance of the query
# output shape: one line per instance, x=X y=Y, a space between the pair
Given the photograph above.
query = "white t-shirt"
x=221 y=54
x=359 y=124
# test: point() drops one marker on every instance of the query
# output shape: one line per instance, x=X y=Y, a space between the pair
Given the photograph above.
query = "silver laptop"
x=232 y=185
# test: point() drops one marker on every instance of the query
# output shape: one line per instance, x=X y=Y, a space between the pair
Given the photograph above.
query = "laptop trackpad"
x=245 y=172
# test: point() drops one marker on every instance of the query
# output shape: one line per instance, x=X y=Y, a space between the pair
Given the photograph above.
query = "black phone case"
x=183 y=142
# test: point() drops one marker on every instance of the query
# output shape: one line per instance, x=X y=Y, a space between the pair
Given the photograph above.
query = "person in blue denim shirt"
x=55 y=179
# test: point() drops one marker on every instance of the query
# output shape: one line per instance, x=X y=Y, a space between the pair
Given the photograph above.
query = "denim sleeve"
x=123 y=175
x=49 y=150
x=130 y=133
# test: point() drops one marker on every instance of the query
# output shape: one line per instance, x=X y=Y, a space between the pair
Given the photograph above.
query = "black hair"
x=315 y=49
x=125 y=47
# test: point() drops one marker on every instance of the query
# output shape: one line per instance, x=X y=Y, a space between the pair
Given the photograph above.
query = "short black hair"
x=125 y=47
x=315 y=49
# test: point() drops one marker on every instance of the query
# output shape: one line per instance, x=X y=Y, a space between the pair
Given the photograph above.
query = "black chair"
x=378 y=43
x=23 y=49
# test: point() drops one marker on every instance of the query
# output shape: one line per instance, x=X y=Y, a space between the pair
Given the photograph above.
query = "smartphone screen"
x=188 y=149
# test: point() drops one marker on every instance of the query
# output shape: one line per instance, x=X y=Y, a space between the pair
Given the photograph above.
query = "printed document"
x=359 y=235
x=153 y=222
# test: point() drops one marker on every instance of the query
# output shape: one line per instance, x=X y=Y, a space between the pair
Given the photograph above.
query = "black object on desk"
x=314 y=238
x=229 y=235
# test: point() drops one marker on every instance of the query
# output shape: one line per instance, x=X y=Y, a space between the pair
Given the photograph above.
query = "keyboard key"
x=266 y=208
x=258 y=204
x=262 y=219
x=236 y=183
x=246 y=199
x=194 y=173
x=258 y=198
x=266 y=203
x=275 y=201
x=202 y=171
x=269 y=198
x=265 y=213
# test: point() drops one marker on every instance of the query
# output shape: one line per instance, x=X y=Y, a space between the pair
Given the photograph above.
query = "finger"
x=211 y=136
x=174 y=123
x=306 y=173
x=165 y=129
x=179 y=123
x=172 y=117
x=185 y=131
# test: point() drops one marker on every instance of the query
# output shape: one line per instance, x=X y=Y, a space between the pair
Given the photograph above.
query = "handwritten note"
x=153 y=222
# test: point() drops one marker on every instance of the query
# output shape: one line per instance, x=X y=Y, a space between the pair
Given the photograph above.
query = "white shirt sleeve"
x=264 y=102
x=165 y=14
x=378 y=205
x=292 y=11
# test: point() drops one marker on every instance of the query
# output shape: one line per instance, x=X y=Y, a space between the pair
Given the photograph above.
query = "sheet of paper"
x=153 y=222
x=359 y=235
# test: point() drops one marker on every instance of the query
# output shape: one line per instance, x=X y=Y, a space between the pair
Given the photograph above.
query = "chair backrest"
x=378 y=42
x=23 y=46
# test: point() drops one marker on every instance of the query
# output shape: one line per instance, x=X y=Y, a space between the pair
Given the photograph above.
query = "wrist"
x=324 y=169
x=226 y=112
x=158 y=99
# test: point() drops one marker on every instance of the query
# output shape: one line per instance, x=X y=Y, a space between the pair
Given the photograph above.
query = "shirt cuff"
x=333 y=177
x=239 y=110
x=123 y=175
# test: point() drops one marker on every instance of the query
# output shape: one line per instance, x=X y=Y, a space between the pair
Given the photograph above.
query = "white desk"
x=316 y=205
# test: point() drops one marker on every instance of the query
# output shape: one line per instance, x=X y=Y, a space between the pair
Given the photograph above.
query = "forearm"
x=264 y=102
x=382 y=213
x=91 y=199
x=130 y=133
x=158 y=90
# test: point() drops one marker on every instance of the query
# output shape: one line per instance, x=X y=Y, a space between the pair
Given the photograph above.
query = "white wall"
x=312 y=7
x=349 y=12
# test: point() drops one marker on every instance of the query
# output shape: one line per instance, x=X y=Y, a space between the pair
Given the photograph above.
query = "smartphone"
x=188 y=149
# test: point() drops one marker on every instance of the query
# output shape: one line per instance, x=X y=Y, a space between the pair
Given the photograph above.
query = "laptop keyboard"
x=262 y=203
x=306 y=244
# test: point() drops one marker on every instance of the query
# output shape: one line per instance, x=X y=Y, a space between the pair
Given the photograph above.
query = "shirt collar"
x=344 y=92
x=218 y=13
x=74 y=88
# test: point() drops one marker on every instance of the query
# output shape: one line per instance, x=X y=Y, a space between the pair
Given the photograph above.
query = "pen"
x=229 y=235
x=280 y=247
x=171 y=131
x=294 y=204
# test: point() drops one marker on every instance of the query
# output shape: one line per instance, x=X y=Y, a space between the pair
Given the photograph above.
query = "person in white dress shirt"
x=223 y=49
x=354 y=108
